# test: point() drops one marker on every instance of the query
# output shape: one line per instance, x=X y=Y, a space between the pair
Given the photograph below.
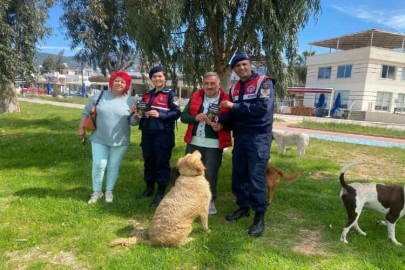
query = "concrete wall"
x=384 y=117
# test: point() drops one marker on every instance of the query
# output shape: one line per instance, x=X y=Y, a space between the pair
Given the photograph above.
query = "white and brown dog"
x=283 y=139
x=386 y=199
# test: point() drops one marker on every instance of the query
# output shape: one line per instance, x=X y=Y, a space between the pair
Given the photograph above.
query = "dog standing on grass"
x=283 y=139
x=188 y=199
x=273 y=179
x=386 y=199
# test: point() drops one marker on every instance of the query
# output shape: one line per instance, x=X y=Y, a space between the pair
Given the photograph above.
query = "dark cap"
x=239 y=56
x=154 y=70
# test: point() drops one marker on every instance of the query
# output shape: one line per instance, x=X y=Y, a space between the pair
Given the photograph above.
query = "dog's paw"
x=208 y=231
x=382 y=223
x=396 y=243
x=343 y=240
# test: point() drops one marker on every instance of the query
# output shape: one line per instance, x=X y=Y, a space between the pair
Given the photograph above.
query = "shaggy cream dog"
x=187 y=200
x=283 y=139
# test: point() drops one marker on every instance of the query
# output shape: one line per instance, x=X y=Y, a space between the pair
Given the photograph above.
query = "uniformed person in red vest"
x=204 y=133
x=252 y=105
x=157 y=125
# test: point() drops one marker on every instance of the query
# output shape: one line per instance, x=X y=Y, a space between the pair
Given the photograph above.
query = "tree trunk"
x=225 y=77
x=8 y=99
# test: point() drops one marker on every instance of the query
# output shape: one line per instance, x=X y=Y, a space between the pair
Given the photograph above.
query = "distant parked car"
x=33 y=91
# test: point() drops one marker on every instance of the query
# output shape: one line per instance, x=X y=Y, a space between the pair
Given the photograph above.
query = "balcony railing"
x=380 y=106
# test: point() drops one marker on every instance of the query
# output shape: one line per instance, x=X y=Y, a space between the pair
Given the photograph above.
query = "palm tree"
x=300 y=75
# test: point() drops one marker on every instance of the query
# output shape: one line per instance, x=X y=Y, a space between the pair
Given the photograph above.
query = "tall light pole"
x=83 y=88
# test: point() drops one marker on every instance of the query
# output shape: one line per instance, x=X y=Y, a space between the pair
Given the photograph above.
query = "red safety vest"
x=196 y=101
x=251 y=89
x=160 y=102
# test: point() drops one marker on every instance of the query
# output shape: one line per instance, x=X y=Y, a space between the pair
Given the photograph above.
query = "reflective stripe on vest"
x=251 y=88
x=160 y=102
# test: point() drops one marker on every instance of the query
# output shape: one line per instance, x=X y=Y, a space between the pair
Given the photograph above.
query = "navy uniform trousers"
x=157 y=151
x=250 y=156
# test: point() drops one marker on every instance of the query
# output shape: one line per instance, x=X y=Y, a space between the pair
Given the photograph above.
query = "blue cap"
x=239 y=56
x=154 y=70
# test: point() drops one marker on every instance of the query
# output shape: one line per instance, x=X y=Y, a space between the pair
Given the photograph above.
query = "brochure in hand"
x=213 y=112
x=142 y=107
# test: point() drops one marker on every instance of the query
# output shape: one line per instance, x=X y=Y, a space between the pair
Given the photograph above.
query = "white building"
x=366 y=68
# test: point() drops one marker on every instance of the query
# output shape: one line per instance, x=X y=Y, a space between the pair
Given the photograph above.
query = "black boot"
x=148 y=192
x=240 y=213
x=257 y=227
x=159 y=195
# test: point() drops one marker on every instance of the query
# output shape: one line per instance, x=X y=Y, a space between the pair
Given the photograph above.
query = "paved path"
x=291 y=119
x=55 y=103
x=343 y=137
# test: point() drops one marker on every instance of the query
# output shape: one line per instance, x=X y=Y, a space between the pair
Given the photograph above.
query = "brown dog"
x=187 y=200
x=273 y=178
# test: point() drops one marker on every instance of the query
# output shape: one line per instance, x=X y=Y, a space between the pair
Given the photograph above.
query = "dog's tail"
x=127 y=241
x=285 y=176
x=342 y=173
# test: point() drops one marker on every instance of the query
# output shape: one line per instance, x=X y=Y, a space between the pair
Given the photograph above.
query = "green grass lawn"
x=46 y=223
x=353 y=128
x=76 y=100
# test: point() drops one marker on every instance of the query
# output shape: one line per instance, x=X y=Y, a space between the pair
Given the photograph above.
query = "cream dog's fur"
x=283 y=139
x=187 y=200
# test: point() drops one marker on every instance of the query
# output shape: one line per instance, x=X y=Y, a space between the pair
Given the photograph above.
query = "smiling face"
x=119 y=85
x=243 y=69
x=158 y=80
x=211 y=86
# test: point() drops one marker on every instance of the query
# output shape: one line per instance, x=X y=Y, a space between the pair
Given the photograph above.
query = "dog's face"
x=191 y=165
x=277 y=133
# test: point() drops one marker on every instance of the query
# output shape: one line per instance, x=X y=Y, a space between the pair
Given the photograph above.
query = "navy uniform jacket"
x=166 y=103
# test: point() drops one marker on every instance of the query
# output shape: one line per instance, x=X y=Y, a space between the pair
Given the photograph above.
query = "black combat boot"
x=148 y=192
x=240 y=213
x=257 y=227
x=159 y=195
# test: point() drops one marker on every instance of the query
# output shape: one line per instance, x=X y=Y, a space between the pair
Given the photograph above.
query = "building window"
x=383 y=101
x=344 y=97
x=403 y=74
x=400 y=103
x=388 y=72
x=344 y=71
x=324 y=72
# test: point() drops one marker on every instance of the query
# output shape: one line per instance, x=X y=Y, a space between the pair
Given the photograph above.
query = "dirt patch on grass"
x=310 y=243
x=22 y=259
x=379 y=165
x=321 y=176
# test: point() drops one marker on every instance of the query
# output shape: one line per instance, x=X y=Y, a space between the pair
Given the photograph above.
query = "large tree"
x=59 y=65
x=194 y=36
x=48 y=64
x=98 y=28
x=22 y=24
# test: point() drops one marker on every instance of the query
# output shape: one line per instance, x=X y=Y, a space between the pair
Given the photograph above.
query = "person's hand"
x=217 y=126
x=226 y=104
x=201 y=117
x=152 y=113
x=81 y=133
x=135 y=111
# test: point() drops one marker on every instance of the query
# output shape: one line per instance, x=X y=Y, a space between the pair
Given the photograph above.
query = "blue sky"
x=337 y=18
